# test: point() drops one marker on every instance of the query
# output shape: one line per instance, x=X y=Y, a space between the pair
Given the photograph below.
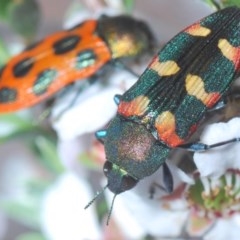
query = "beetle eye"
x=107 y=167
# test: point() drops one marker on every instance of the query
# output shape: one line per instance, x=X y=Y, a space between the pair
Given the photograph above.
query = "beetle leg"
x=80 y=89
x=100 y=135
x=50 y=102
x=200 y=147
x=117 y=99
x=167 y=178
x=119 y=65
x=152 y=189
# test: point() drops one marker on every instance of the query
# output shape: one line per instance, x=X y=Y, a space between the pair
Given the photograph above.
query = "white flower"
x=215 y=162
x=146 y=215
x=63 y=214
x=93 y=109
x=225 y=229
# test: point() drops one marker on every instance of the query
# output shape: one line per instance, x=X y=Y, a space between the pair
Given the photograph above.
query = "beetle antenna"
x=96 y=196
x=111 y=208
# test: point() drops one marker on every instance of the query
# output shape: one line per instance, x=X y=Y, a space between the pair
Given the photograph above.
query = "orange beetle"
x=64 y=57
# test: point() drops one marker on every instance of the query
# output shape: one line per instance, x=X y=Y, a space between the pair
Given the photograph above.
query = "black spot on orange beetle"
x=7 y=95
x=23 y=67
x=66 y=44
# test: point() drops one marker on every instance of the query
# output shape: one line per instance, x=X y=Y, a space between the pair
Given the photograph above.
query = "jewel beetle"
x=69 y=55
x=188 y=77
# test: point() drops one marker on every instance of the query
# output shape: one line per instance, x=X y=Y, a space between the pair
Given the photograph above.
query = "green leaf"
x=13 y=125
x=102 y=209
x=213 y=4
x=21 y=125
x=25 y=211
x=4 y=5
x=19 y=121
x=222 y=3
x=129 y=4
x=4 y=53
x=35 y=188
x=31 y=236
x=47 y=150
x=228 y=3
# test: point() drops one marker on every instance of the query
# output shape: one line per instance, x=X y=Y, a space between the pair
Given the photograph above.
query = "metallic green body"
x=135 y=139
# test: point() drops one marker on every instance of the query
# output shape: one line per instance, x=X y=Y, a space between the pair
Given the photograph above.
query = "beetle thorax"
x=133 y=148
x=135 y=144
x=130 y=141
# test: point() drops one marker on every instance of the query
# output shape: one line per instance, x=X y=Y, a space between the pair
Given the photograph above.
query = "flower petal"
x=216 y=161
x=148 y=216
x=93 y=109
x=63 y=215
x=224 y=229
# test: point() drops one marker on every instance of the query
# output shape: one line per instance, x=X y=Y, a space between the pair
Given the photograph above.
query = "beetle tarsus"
x=100 y=135
x=117 y=99
x=200 y=147
x=118 y=64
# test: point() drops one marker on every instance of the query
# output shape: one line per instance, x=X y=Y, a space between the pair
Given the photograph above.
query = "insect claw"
x=117 y=98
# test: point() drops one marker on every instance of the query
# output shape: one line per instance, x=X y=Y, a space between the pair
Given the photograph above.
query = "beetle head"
x=126 y=36
x=132 y=153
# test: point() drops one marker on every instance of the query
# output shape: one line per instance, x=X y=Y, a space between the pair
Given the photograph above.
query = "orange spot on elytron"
x=165 y=124
x=197 y=30
x=230 y=52
x=136 y=107
x=195 y=87
x=167 y=68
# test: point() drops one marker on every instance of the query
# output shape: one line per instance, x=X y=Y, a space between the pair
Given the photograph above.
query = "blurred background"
x=46 y=178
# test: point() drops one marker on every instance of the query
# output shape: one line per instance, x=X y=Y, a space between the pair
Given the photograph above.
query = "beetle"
x=64 y=57
x=188 y=77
